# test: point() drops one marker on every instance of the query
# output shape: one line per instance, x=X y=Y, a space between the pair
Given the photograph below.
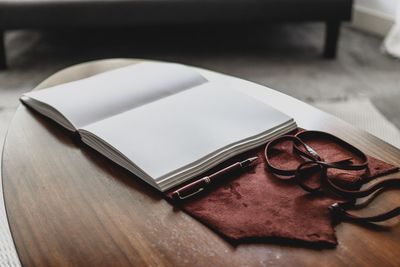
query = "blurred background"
x=279 y=44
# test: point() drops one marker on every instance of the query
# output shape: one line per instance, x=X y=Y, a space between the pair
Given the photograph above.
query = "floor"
x=284 y=57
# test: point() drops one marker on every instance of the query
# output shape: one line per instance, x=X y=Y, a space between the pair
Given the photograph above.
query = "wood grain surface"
x=69 y=206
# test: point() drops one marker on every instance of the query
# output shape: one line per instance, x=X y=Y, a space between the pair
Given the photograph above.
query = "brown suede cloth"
x=256 y=205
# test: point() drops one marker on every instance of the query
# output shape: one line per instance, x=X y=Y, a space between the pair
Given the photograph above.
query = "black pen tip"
x=253 y=159
x=248 y=161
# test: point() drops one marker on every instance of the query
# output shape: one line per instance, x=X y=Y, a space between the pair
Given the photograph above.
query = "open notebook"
x=164 y=122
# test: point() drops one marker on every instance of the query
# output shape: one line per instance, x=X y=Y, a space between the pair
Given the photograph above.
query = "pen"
x=199 y=185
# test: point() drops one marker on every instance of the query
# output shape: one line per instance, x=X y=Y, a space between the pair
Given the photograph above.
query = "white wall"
x=387 y=7
x=376 y=16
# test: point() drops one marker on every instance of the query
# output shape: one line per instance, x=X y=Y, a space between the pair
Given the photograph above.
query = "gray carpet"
x=286 y=58
x=360 y=112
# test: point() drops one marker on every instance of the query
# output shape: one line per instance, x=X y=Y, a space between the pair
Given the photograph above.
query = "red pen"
x=200 y=184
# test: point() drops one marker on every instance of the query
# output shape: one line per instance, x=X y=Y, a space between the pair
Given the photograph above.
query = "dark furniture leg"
x=331 y=38
x=3 y=62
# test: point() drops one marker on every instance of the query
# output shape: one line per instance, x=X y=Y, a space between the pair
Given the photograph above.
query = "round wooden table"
x=69 y=206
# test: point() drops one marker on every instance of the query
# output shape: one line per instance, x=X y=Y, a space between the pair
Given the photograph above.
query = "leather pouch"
x=255 y=205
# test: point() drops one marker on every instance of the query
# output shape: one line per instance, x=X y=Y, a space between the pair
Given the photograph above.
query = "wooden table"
x=69 y=206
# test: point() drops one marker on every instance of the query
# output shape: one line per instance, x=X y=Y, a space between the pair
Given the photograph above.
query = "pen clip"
x=192 y=194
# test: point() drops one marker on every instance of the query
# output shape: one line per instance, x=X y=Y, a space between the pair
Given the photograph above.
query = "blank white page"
x=181 y=129
x=89 y=100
